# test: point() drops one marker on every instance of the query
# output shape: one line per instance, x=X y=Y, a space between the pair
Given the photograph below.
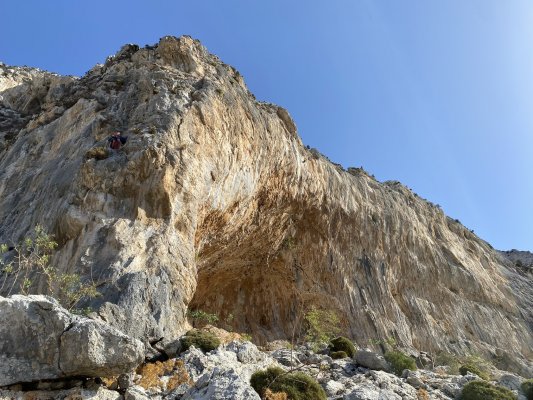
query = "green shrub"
x=475 y=369
x=527 y=388
x=322 y=325
x=205 y=341
x=342 y=344
x=201 y=318
x=336 y=355
x=400 y=361
x=481 y=390
x=297 y=385
x=450 y=360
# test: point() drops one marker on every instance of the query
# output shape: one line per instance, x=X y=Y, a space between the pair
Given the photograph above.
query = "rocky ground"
x=225 y=374
x=40 y=360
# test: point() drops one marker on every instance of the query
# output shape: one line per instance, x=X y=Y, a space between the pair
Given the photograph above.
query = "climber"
x=116 y=141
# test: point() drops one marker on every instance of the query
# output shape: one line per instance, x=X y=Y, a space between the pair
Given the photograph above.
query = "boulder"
x=221 y=384
x=39 y=340
x=369 y=359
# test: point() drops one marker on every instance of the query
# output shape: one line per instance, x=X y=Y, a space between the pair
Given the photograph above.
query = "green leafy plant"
x=400 y=361
x=342 y=344
x=31 y=258
x=201 y=318
x=297 y=385
x=206 y=341
x=527 y=388
x=481 y=390
x=322 y=325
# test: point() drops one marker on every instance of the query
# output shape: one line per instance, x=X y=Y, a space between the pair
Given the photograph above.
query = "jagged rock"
x=370 y=392
x=369 y=359
x=247 y=353
x=41 y=340
x=423 y=359
x=221 y=384
x=244 y=358
x=135 y=393
x=288 y=357
x=215 y=203
x=333 y=388
x=90 y=348
x=414 y=379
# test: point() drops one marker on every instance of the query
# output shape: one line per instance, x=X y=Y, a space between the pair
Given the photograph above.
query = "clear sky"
x=435 y=94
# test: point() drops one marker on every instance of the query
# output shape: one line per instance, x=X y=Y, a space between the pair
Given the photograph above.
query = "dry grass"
x=275 y=396
x=179 y=377
x=151 y=374
x=422 y=394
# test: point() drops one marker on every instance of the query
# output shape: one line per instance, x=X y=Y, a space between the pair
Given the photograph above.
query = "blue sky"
x=435 y=94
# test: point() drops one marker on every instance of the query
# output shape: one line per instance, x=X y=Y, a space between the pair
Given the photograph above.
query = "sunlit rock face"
x=215 y=203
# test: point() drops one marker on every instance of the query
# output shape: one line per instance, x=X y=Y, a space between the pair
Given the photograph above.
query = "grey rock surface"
x=91 y=348
x=221 y=384
x=369 y=359
x=41 y=340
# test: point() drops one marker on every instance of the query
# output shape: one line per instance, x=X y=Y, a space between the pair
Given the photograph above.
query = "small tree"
x=322 y=325
x=31 y=257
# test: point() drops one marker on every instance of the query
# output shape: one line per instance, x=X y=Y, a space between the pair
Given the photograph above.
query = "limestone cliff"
x=214 y=203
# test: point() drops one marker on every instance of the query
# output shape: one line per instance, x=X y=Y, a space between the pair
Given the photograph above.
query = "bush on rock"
x=481 y=390
x=297 y=385
x=203 y=340
x=342 y=344
x=400 y=361
x=474 y=368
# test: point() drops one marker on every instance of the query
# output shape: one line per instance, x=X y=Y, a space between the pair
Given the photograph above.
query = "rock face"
x=40 y=340
x=215 y=204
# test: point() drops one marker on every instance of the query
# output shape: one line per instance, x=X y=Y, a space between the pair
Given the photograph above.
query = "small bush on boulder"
x=297 y=385
x=475 y=369
x=400 y=361
x=336 y=355
x=342 y=344
x=527 y=388
x=481 y=390
x=205 y=341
